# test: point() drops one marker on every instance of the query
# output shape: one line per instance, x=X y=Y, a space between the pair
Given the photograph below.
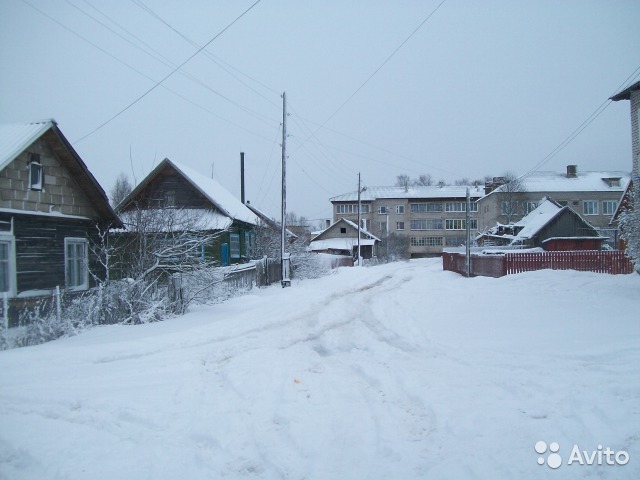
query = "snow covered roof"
x=604 y=181
x=15 y=138
x=538 y=218
x=268 y=220
x=219 y=196
x=339 y=243
x=626 y=93
x=415 y=192
x=179 y=219
x=366 y=233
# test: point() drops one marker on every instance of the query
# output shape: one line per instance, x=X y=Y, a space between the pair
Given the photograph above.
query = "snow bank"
x=397 y=371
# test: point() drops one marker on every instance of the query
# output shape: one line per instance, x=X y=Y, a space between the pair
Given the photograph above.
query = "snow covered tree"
x=403 y=181
x=121 y=189
x=630 y=225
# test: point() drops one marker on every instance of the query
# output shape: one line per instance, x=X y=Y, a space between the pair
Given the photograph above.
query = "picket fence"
x=611 y=262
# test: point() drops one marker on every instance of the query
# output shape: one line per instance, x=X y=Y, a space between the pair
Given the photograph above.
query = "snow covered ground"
x=400 y=371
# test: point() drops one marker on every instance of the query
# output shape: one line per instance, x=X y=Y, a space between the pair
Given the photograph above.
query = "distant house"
x=341 y=238
x=51 y=209
x=595 y=196
x=181 y=199
x=429 y=218
x=550 y=226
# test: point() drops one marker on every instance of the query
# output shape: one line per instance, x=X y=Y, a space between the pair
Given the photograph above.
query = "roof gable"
x=349 y=224
x=16 y=138
x=209 y=190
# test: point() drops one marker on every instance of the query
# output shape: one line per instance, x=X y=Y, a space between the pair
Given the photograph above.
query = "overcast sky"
x=480 y=88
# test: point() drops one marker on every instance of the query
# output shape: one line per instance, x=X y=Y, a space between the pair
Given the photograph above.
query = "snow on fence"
x=611 y=262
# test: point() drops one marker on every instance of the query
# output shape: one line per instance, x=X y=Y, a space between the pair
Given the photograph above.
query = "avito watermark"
x=600 y=456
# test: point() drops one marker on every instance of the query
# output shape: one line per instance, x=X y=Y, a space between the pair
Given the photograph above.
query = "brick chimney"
x=572 y=171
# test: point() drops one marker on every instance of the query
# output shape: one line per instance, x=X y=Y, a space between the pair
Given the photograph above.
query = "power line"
x=596 y=113
x=378 y=69
x=168 y=75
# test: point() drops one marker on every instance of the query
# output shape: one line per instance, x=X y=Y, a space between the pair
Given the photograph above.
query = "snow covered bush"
x=630 y=225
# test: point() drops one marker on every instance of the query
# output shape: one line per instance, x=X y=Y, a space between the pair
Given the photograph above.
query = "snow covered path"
x=399 y=371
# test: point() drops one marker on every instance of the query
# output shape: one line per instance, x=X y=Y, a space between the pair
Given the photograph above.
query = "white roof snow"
x=15 y=138
x=416 y=192
x=584 y=182
x=537 y=218
x=339 y=243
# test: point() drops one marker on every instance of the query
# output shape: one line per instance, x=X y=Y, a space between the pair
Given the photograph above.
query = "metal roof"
x=16 y=138
x=412 y=193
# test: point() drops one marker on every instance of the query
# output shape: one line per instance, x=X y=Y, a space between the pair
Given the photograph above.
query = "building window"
x=6 y=273
x=399 y=225
x=170 y=198
x=400 y=209
x=455 y=207
x=426 y=224
x=609 y=207
x=590 y=207
x=234 y=245
x=248 y=244
x=76 y=263
x=352 y=208
x=426 y=241
x=454 y=224
x=382 y=227
x=35 y=172
x=529 y=207
x=343 y=230
x=455 y=241
x=383 y=209
x=425 y=207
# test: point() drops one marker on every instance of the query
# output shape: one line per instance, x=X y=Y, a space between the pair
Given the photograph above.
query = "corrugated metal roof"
x=416 y=192
x=15 y=138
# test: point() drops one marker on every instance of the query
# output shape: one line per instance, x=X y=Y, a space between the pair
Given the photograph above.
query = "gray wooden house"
x=341 y=238
x=183 y=200
x=51 y=208
x=550 y=226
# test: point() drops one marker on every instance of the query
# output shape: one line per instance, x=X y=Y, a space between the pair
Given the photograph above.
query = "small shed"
x=550 y=226
x=341 y=238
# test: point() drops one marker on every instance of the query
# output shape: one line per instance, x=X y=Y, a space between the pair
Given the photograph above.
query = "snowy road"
x=399 y=371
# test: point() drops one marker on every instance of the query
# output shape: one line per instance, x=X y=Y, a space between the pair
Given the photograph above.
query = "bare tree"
x=403 y=181
x=511 y=197
x=424 y=180
x=462 y=181
x=121 y=189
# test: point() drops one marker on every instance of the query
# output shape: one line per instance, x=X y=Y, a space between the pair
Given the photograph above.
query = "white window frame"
x=234 y=245
x=383 y=210
x=590 y=211
x=84 y=267
x=529 y=207
x=399 y=225
x=35 y=168
x=10 y=263
x=400 y=209
x=609 y=207
x=454 y=224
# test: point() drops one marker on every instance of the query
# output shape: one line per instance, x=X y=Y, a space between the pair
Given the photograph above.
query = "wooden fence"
x=611 y=262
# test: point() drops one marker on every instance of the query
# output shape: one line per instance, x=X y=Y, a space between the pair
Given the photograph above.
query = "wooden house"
x=51 y=210
x=341 y=238
x=184 y=200
x=549 y=226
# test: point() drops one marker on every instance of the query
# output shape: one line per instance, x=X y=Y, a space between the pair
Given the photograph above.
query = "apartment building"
x=595 y=196
x=429 y=217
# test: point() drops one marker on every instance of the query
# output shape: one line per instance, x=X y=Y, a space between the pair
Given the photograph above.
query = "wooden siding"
x=154 y=194
x=40 y=250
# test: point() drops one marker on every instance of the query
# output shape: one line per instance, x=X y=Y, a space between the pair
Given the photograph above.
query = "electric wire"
x=596 y=113
x=380 y=67
x=169 y=74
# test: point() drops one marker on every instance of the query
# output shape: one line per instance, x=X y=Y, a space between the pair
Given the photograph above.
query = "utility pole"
x=468 y=232
x=359 y=262
x=285 y=257
x=360 y=190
